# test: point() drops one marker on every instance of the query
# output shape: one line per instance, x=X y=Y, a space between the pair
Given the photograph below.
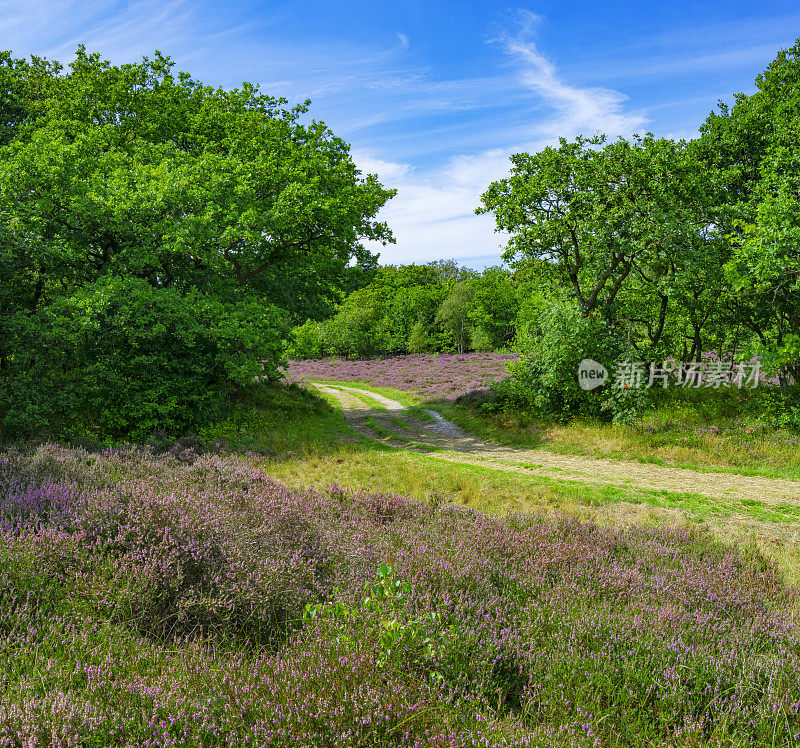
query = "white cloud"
x=578 y=110
x=433 y=213
x=389 y=171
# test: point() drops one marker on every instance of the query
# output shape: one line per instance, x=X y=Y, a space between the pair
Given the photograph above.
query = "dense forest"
x=438 y=306
x=164 y=243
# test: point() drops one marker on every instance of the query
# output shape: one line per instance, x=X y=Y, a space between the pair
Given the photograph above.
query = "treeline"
x=663 y=248
x=437 y=306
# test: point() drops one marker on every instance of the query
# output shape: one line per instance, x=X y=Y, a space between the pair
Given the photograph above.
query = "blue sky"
x=434 y=96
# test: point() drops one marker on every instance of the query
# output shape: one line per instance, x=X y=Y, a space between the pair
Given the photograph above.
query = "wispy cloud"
x=120 y=30
x=433 y=213
x=578 y=110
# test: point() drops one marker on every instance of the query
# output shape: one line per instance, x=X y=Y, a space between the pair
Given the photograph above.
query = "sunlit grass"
x=712 y=430
x=401 y=396
x=774 y=529
x=278 y=419
x=666 y=437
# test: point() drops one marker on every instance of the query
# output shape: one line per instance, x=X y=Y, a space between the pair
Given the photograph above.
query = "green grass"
x=401 y=423
x=676 y=433
x=379 y=430
x=310 y=443
x=367 y=462
x=676 y=443
x=326 y=461
x=401 y=396
x=772 y=529
x=278 y=419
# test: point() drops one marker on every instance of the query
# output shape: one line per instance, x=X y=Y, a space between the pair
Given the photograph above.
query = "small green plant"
x=384 y=607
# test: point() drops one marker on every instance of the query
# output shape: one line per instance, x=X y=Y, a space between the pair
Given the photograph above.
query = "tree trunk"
x=696 y=353
x=662 y=318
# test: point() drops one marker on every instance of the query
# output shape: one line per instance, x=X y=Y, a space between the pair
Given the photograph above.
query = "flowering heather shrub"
x=157 y=602
x=445 y=376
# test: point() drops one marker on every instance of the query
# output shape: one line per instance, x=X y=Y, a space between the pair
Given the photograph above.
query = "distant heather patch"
x=444 y=376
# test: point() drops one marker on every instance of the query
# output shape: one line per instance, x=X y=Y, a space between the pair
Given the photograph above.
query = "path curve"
x=379 y=417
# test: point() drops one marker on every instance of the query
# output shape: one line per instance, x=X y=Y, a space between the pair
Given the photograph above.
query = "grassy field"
x=675 y=435
x=378 y=597
x=705 y=429
x=774 y=529
x=316 y=448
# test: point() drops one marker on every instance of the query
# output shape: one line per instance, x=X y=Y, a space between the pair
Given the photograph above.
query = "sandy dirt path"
x=381 y=418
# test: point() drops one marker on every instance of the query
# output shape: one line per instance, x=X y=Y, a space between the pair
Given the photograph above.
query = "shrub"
x=125 y=358
x=780 y=410
x=308 y=340
x=148 y=239
x=418 y=339
x=157 y=591
x=546 y=376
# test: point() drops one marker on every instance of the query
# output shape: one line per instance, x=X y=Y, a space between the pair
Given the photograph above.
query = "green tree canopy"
x=600 y=211
x=115 y=173
x=755 y=143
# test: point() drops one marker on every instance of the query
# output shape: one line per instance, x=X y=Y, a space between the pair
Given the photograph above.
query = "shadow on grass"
x=285 y=420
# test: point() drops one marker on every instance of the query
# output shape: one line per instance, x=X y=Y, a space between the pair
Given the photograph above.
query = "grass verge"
x=277 y=419
x=404 y=398
x=726 y=448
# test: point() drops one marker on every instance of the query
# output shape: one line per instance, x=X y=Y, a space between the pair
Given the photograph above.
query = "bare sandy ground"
x=388 y=422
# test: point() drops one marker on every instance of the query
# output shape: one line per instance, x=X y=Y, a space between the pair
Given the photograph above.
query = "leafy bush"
x=123 y=357
x=149 y=239
x=418 y=339
x=401 y=638
x=307 y=340
x=481 y=340
x=546 y=376
x=780 y=411
x=358 y=329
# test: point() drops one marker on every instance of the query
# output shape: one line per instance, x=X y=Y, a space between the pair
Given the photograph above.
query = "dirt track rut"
x=381 y=418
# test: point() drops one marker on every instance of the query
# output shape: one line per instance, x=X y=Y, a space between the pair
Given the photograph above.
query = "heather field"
x=189 y=599
x=249 y=496
x=433 y=377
